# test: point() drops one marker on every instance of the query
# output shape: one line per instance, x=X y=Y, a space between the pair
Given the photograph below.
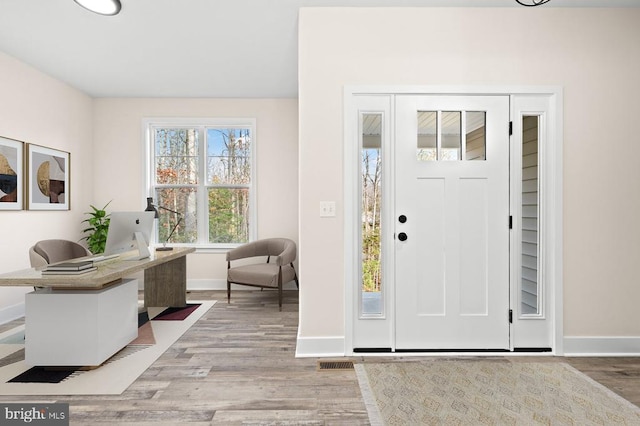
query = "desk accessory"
x=152 y=208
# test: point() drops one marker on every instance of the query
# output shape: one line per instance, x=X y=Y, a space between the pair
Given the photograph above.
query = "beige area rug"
x=487 y=392
x=111 y=378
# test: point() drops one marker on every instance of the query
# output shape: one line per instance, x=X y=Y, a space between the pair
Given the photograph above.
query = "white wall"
x=104 y=137
x=593 y=54
x=119 y=173
x=38 y=109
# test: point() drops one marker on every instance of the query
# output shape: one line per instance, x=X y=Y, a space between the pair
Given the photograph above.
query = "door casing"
x=551 y=197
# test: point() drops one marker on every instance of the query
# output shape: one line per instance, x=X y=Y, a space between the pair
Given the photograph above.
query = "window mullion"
x=203 y=207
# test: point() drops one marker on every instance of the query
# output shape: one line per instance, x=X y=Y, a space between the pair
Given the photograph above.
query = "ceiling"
x=182 y=48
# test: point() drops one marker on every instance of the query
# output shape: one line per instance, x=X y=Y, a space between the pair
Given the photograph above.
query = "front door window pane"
x=475 y=136
x=427 y=135
x=451 y=136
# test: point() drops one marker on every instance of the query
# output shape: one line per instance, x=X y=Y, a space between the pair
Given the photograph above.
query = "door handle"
x=402 y=236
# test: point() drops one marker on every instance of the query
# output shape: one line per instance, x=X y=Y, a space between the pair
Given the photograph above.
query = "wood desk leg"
x=166 y=284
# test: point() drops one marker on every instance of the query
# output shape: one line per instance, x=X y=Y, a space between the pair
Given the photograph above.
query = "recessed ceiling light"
x=103 y=7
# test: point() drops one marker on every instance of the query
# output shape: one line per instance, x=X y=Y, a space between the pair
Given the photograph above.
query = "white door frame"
x=551 y=195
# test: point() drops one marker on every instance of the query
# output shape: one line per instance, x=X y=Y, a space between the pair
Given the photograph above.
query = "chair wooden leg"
x=280 y=289
x=228 y=283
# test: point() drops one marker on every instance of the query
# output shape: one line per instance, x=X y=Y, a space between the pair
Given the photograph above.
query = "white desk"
x=79 y=328
x=82 y=320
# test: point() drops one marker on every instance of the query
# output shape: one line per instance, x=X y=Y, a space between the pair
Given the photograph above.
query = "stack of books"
x=70 y=268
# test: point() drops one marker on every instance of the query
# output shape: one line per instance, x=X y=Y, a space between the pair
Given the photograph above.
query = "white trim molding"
x=318 y=347
x=602 y=346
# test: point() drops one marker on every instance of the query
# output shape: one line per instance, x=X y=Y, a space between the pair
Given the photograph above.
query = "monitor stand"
x=143 y=248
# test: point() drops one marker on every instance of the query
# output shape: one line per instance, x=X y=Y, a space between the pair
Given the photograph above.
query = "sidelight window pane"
x=371 y=165
x=530 y=285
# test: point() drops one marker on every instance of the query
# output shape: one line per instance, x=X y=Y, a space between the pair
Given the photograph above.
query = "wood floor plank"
x=237 y=366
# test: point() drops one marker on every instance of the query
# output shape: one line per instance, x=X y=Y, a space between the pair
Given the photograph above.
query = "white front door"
x=451 y=222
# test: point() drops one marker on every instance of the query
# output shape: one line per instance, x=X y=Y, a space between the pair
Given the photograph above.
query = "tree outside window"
x=204 y=173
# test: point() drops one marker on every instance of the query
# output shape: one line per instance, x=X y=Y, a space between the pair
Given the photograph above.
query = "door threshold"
x=454 y=352
x=372 y=350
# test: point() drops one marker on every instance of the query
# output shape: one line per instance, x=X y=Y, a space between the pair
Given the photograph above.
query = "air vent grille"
x=335 y=365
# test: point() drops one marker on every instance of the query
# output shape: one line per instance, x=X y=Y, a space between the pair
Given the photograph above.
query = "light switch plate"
x=327 y=208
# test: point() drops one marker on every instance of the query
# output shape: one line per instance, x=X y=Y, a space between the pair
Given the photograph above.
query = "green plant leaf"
x=98 y=220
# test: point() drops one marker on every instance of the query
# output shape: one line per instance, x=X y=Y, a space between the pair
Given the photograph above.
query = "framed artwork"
x=47 y=178
x=11 y=174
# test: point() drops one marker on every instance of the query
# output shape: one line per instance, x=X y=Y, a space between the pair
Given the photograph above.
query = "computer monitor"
x=129 y=231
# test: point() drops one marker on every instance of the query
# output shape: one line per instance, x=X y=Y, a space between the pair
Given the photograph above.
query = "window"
x=202 y=175
x=371 y=196
x=530 y=283
x=440 y=135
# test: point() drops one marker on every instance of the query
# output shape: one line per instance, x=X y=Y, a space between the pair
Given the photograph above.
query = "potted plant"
x=97 y=231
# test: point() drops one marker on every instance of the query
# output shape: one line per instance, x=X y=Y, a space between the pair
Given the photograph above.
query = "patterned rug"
x=113 y=377
x=488 y=392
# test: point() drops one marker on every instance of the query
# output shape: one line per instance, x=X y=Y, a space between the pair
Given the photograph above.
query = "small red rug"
x=176 y=314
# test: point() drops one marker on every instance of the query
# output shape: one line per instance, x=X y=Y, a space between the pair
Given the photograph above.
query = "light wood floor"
x=237 y=365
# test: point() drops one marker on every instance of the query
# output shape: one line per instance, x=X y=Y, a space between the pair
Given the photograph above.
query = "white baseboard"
x=12 y=312
x=318 y=347
x=221 y=284
x=573 y=346
x=602 y=346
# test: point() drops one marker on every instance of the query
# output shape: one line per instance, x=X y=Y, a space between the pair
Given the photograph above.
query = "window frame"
x=201 y=125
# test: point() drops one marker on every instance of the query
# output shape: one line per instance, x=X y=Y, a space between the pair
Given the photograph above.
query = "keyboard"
x=102 y=257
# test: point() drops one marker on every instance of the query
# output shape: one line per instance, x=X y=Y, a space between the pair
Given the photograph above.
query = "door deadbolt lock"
x=402 y=236
x=402 y=218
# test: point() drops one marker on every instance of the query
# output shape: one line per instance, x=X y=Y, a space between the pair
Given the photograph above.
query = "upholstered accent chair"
x=52 y=251
x=276 y=271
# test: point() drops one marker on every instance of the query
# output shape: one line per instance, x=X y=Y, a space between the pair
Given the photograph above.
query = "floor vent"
x=335 y=365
